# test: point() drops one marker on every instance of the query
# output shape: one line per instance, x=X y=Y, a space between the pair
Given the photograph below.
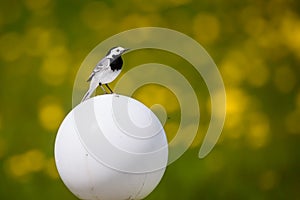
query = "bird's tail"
x=92 y=88
x=87 y=95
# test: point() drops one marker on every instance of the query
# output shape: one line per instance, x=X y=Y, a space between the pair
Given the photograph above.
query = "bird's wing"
x=101 y=65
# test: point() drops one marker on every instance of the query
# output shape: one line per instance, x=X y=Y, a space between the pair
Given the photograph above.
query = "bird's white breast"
x=107 y=76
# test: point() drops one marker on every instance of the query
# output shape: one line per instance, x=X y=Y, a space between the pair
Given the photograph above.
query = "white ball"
x=111 y=147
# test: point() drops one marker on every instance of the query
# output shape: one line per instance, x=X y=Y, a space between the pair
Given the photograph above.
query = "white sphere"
x=111 y=147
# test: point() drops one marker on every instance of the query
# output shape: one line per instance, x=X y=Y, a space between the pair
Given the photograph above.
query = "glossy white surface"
x=111 y=147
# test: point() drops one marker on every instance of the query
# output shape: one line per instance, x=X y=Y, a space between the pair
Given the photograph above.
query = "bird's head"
x=116 y=52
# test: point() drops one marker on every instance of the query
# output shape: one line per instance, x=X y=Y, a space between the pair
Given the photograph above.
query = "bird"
x=106 y=70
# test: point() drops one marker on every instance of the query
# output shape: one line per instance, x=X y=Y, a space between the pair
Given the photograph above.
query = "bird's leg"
x=102 y=88
x=109 y=88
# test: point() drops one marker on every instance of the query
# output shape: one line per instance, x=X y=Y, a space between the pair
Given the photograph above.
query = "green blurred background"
x=255 y=44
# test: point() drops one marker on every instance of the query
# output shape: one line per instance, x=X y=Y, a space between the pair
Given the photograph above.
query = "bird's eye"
x=118 y=50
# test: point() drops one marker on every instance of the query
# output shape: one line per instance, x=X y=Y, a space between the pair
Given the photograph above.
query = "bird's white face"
x=115 y=52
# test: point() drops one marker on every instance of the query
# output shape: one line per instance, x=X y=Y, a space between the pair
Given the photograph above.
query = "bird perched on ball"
x=106 y=70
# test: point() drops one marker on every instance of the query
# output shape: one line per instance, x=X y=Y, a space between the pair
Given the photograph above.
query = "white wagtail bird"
x=106 y=71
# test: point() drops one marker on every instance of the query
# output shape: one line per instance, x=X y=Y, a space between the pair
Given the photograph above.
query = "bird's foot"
x=115 y=94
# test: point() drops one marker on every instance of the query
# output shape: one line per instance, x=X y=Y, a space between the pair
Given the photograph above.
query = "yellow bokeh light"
x=237 y=101
x=158 y=95
x=37 y=41
x=284 y=79
x=50 y=169
x=51 y=115
x=234 y=67
x=242 y=117
x=255 y=44
x=219 y=108
x=292 y=122
x=145 y=6
x=55 y=66
x=234 y=123
x=206 y=28
x=259 y=130
x=17 y=166
x=232 y=72
x=269 y=40
x=292 y=119
x=97 y=16
x=24 y=164
x=35 y=159
x=297 y=100
x=136 y=20
x=255 y=26
x=237 y=67
x=290 y=31
x=37 y=5
x=258 y=73
x=41 y=41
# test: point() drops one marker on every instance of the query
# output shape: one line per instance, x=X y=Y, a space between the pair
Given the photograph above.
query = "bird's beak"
x=126 y=49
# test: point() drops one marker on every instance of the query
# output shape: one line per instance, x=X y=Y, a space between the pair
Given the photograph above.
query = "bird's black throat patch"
x=116 y=64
